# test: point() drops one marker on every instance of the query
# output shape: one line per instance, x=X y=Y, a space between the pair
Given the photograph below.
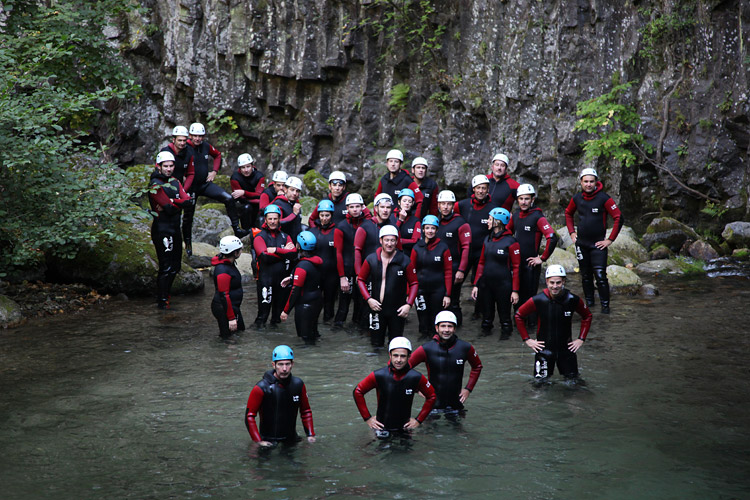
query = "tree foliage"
x=57 y=73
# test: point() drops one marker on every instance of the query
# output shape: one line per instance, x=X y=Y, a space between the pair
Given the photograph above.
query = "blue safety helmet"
x=272 y=209
x=325 y=206
x=306 y=240
x=500 y=214
x=406 y=192
x=431 y=220
x=282 y=352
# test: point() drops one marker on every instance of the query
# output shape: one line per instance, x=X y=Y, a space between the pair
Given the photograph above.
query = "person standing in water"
x=227 y=300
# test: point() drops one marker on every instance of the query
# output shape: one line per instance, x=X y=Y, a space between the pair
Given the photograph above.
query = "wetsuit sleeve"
x=480 y=268
x=411 y=279
x=223 y=282
x=368 y=383
x=429 y=399
x=313 y=217
x=433 y=210
x=616 y=217
x=447 y=272
x=546 y=229
x=586 y=317
x=305 y=412
x=476 y=369
x=338 y=243
x=161 y=198
x=569 y=220
x=189 y=174
x=253 y=406
x=510 y=226
x=508 y=203
x=457 y=209
x=255 y=195
x=216 y=156
x=464 y=244
x=290 y=217
x=418 y=197
x=359 y=242
x=379 y=189
x=416 y=235
x=263 y=201
x=284 y=251
x=298 y=281
x=418 y=356
x=366 y=213
x=362 y=275
x=525 y=310
x=515 y=262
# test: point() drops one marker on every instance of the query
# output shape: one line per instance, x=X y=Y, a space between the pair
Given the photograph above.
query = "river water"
x=130 y=402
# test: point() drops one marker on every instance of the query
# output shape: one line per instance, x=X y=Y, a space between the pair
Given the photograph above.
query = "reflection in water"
x=127 y=402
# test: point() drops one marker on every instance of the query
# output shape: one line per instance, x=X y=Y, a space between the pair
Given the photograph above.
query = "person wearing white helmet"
x=227 y=300
x=590 y=237
x=388 y=283
x=446 y=356
x=528 y=225
x=367 y=238
x=291 y=208
x=427 y=186
x=247 y=184
x=396 y=179
x=166 y=200
x=275 y=187
x=337 y=194
x=553 y=345
x=395 y=384
x=502 y=189
x=456 y=233
x=184 y=169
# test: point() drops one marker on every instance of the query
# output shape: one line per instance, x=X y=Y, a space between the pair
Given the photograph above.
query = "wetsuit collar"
x=599 y=187
x=217 y=259
x=448 y=344
x=400 y=372
x=480 y=203
x=316 y=260
x=158 y=175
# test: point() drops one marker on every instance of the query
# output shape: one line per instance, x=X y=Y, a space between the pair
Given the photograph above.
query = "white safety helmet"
x=525 y=189
x=500 y=157
x=279 y=176
x=197 y=129
x=446 y=317
x=419 y=161
x=164 y=156
x=354 y=198
x=337 y=175
x=179 y=130
x=388 y=230
x=588 y=171
x=245 y=159
x=399 y=343
x=294 y=182
x=395 y=153
x=479 y=179
x=446 y=195
x=554 y=270
x=381 y=198
x=229 y=244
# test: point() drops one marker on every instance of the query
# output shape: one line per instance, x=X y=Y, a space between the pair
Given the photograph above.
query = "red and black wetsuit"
x=227 y=300
x=456 y=233
x=272 y=268
x=166 y=203
x=339 y=210
x=502 y=192
x=409 y=230
x=325 y=248
x=367 y=239
x=498 y=276
x=401 y=288
x=528 y=228
x=306 y=297
x=445 y=369
x=402 y=180
x=395 y=390
x=476 y=213
x=184 y=169
x=592 y=227
x=253 y=185
x=430 y=191
x=434 y=266
x=278 y=401
x=291 y=223
x=344 y=243
x=266 y=198
x=555 y=317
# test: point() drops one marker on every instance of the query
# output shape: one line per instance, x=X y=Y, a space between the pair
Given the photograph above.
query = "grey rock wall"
x=308 y=82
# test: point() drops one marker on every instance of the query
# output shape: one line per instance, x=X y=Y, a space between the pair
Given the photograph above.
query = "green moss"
x=223 y=182
x=215 y=206
x=315 y=184
x=308 y=204
x=691 y=267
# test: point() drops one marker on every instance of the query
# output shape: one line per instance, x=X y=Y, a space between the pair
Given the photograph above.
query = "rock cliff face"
x=334 y=84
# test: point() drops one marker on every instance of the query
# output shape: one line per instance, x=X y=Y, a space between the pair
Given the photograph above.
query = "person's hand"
x=310 y=439
x=344 y=284
x=237 y=193
x=574 y=237
x=233 y=326
x=535 y=345
x=271 y=250
x=459 y=277
x=286 y=282
x=474 y=293
x=402 y=215
x=211 y=176
x=601 y=245
x=374 y=304
x=514 y=298
x=413 y=423
x=446 y=302
x=464 y=395
x=289 y=246
x=534 y=261
x=403 y=311
x=297 y=208
x=283 y=316
x=265 y=444
x=373 y=423
x=575 y=345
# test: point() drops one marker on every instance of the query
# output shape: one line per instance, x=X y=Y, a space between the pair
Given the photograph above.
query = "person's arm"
x=189 y=174
x=433 y=201
x=338 y=243
x=515 y=263
x=418 y=198
x=480 y=268
x=551 y=236
x=161 y=198
x=429 y=399
x=585 y=312
x=362 y=275
x=253 y=406
x=418 y=356
x=508 y=202
x=366 y=385
x=464 y=247
x=359 y=242
x=305 y=413
x=216 y=156
x=380 y=187
x=263 y=201
x=457 y=209
x=254 y=196
x=289 y=218
x=298 y=281
x=287 y=250
x=476 y=369
x=617 y=218
x=313 y=217
x=413 y=283
x=414 y=236
x=569 y=220
x=525 y=310
x=448 y=272
x=223 y=282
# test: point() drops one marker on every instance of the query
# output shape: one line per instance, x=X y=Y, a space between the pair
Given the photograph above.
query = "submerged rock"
x=649 y=291
x=202 y=255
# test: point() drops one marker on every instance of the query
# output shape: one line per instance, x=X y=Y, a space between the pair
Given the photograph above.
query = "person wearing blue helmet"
x=432 y=259
x=305 y=295
x=278 y=398
x=409 y=227
x=325 y=234
x=274 y=252
x=498 y=275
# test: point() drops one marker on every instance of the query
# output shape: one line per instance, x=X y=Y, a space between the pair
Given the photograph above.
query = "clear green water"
x=128 y=402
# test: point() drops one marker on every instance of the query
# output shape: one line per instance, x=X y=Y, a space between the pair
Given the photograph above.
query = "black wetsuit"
x=248 y=203
x=306 y=297
x=456 y=233
x=184 y=169
x=497 y=277
x=476 y=213
x=272 y=268
x=227 y=300
x=278 y=402
x=344 y=244
x=329 y=280
x=429 y=190
x=291 y=223
x=410 y=232
x=434 y=266
x=393 y=187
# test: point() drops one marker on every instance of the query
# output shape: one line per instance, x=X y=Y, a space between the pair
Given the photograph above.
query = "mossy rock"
x=224 y=182
x=626 y=250
x=316 y=185
x=10 y=313
x=737 y=234
x=623 y=280
x=563 y=258
x=215 y=206
x=668 y=232
x=678 y=267
x=564 y=240
x=308 y=204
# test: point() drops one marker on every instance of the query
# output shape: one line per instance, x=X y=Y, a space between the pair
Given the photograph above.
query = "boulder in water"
x=623 y=280
x=668 y=232
x=737 y=234
x=626 y=249
x=10 y=313
x=702 y=250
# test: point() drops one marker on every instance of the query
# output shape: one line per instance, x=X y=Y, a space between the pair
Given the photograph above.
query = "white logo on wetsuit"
x=449 y=235
x=485 y=221
x=295 y=399
x=594 y=210
x=568 y=314
x=409 y=391
x=400 y=272
x=459 y=361
x=330 y=243
x=437 y=258
x=411 y=230
x=527 y=228
x=500 y=251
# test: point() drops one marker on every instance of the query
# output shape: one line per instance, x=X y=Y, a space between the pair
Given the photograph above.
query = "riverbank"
x=40 y=299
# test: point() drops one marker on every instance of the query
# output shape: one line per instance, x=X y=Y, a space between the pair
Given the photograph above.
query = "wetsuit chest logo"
x=409 y=392
x=449 y=235
x=594 y=210
x=400 y=273
x=568 y=314
x=295 y=399
x=459 y=361
x=330 y=243
x=527 y=228
x=500 y=251
x=410 y=231
x=205 y=157
x=437 y=258
x=485 y=221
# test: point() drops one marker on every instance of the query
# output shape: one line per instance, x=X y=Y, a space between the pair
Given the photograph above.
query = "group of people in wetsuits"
x=414 y=249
